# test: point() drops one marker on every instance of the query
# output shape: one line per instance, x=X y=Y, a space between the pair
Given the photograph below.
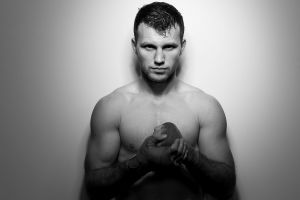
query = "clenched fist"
x=170 y=130
x=151 y=154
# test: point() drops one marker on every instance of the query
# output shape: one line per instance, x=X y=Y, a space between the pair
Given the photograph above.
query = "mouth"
x=159 y=69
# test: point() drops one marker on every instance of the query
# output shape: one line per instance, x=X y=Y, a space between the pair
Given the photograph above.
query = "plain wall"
x=58 y=58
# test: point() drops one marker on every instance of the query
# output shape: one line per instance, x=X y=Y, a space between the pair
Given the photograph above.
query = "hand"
x=179 y=151
x=151 y=154
x=168 y=129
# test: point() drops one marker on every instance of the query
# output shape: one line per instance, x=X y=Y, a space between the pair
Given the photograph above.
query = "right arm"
x=105 y=176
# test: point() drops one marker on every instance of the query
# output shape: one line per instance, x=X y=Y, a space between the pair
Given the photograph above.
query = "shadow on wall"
x=83 y=193
x=236 y=195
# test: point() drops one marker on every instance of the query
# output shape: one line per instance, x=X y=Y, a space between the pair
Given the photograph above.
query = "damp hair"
x=160 y=16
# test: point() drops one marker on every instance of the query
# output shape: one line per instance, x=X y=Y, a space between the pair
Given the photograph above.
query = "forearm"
x=105 y=183
x=216 y=178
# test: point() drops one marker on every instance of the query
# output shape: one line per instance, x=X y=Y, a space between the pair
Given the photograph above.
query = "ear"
x=183 y=43
x=133 y=44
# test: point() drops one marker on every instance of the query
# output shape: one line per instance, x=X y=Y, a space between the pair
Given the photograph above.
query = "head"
x=158 y=40
x=160 y=16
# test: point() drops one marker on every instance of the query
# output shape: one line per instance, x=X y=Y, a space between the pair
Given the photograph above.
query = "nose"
x=159 y=58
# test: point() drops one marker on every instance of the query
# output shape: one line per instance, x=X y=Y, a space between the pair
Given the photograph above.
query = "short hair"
x=160 y=16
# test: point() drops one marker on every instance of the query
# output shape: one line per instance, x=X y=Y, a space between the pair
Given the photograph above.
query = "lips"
x=159 y=69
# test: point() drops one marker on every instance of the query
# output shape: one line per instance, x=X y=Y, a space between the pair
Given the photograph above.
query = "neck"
x=158 y=89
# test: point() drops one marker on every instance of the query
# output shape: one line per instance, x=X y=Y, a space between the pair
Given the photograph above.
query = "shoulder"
x=107 y=111
x=109 y=107
x=206 y=106
x=109 y=103
x=195 y=95
x=116 y=99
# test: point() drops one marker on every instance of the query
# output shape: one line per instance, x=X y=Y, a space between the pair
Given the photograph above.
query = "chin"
x=159 y=78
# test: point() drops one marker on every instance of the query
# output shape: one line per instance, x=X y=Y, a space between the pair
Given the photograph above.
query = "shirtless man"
x=127 y=157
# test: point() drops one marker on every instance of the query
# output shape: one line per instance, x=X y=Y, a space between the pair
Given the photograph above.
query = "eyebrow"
x=146 y=43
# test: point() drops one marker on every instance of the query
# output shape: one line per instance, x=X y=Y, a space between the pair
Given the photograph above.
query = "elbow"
x=226 y=187
x=93 y=188
x=221 y=186
x=96 y=188
x=229 y=188
x=89 y=183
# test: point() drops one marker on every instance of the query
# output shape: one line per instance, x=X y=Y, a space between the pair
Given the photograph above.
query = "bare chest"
x=141 y=116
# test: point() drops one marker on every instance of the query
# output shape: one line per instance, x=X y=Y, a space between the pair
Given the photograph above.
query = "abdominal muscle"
x=167 y=184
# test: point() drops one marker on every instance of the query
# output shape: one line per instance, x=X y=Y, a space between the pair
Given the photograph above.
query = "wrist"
x=192 y=156
x=137 y=162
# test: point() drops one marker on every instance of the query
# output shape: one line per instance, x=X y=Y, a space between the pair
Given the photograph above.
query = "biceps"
x=103 y=149
x=215 y=146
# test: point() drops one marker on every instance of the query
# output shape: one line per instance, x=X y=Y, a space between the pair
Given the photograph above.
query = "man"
x=158 y=137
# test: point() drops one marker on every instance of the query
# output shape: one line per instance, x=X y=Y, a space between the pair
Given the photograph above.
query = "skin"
x=158 y=55
x=122 y=120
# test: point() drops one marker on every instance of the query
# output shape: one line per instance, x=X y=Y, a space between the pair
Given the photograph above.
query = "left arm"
x=211 y=162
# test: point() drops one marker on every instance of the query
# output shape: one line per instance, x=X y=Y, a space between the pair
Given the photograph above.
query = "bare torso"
x=140 y=114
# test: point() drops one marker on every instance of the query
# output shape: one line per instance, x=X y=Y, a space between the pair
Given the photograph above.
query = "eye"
x=169 y=47
x=148 y=47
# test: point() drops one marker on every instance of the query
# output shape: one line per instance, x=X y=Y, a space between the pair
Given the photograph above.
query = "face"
x=158 y=55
